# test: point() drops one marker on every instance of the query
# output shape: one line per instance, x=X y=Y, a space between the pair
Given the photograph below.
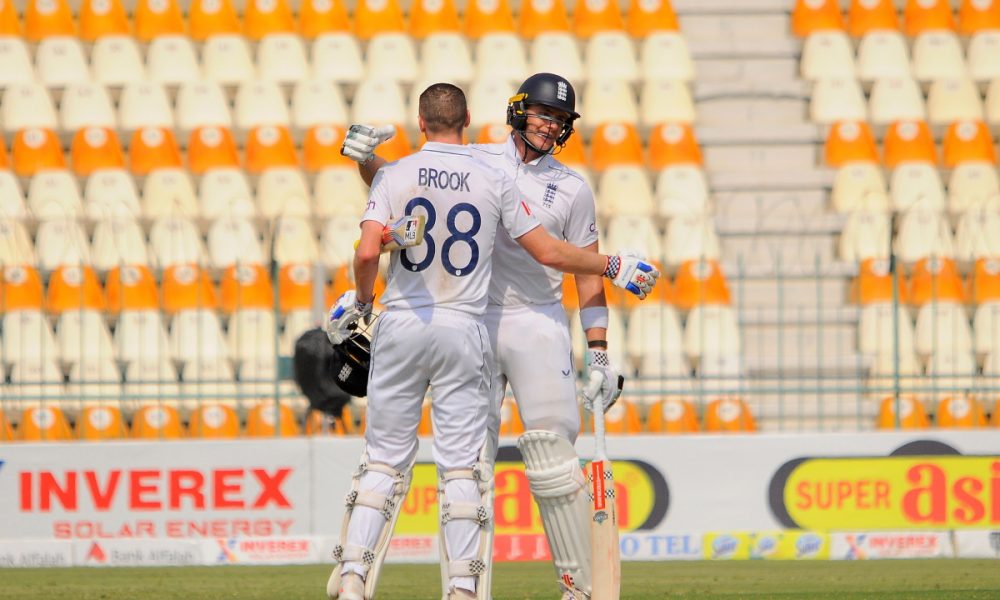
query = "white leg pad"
x=560 y=489
x=389 y=506
x=480 y=513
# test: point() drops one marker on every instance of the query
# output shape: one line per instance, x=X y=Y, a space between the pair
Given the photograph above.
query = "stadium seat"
x=226 y=60
x=942 y=328
x=110 y=195
x=265 y=18
x=373 y=18
x=835 y=100
x=622 y=418
x=131 y=287
x=269 y=419
x=317 y=103
x=98 y=423
x=153 y=383
x=625 y=191
x=47 y=18
x=810 y=17
x=975 y=16
x=168 y=193
x=12 y=205
x=207 y=18
x=6 y=432
x=921 y=16
x=186 y=287
x=446 y=57
x=635 y=233
x=485 y=95
x=94 y=381
x=510 y=418
x=152 y=149
x=690 y=237
x=225 y=192
x=662 y=101
x=729 y=415
x=973 y=185
x=95 y=148
x=27 y=106
x=246 y=286
x=912 y=414
x=294 y=241
x=269 y=147
x=295 y=282
x=54 y=194
x=484 y=18
x=171 y=60
x=337 y=240
x=83 y=335
x=937 y=54
x=73 y=288
x=916 y=186
x=985 y=281
x=557 y=52
x=36 y=150
x=827 y=55
x=116 y=61
x=321 y=148
x=610 y=56
x=654 y=341
x=673 y=144
x=500 y=59
x=396 y=147
x=700 y=283
x=884 y=334
x=711 y=330
x=616 y=144
x=214 y=421
x=993 y=102
x=953 y=99
x=539 y=17
x=27 y=338
x=864 y=16
x=959 y=412
x=849 y=142
x=986 y=328
x=664 y=55
x=60 y=61
x=281 y=57
x=20 y=288
x=645 y=18
x=10 y=25
x=320 y=17
x=377 y=102
x=155 y=18
x=865 y=235
x=202 y=104
x=340 y=191
x=672 y=415
x=883 y=54
x=908 y=141
x=140 y=336
x=924 y=233
x=873 y=284
x=211 y=147
x=392 y=57
x=682 y=190
x=196 y=338
x=283 y=191
x=982 y=48
x=896 y=99
x=595 y=18
x=432 y=17
x=233 y=239
x=978 y=235
x=935 y=280
x=253 y=331
x=153 y=421
x=45 y=423
x=337 y=57
x=61 y=242
x=297 y=322
x=259 y=103
x=174 y=240
x=968 y=141
x=86 y=104
x=15 y=61
x=144 y=104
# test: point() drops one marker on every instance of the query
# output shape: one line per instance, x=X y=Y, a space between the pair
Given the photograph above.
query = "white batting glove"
x=632 y=274
x=605 y=396
x=361 y=140
x=344 y=316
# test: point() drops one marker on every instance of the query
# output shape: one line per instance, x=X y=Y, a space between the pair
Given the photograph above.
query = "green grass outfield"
x=958 y=579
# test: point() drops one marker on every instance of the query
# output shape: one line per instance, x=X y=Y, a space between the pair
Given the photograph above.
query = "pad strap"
x=466 y=568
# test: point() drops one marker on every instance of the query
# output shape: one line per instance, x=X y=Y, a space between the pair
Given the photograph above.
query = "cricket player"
x=528 y=327
x=433 y=333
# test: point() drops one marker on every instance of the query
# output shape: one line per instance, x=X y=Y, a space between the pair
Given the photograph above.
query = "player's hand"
x=344 y=316
x=632 y=274
x=361 y=140
x=611 y=381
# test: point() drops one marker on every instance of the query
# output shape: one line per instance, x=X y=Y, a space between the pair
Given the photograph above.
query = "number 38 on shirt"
x=456 y=236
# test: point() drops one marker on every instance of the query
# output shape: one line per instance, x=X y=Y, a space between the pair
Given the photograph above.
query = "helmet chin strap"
x=535 y=148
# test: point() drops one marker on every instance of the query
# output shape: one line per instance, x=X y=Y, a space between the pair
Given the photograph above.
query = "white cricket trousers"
x=449 y=352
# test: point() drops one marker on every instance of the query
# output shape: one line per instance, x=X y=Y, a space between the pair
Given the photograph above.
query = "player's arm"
x=366 y=260
x=359 y=145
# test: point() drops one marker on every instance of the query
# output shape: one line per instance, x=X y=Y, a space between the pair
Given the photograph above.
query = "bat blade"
x=605 y=552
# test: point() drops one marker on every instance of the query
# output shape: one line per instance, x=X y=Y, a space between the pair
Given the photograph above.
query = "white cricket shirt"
x=564 y=204
x=467 y=203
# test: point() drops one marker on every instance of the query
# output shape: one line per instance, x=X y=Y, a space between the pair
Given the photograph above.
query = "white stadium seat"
x=83 y=334
x=896 y=99
x=609 y=55
x=336 y=57
x=60 y=60
x=916 y=186
x=664 y=55
x=226 y=60
x=260 y=103
x=392 y=56
x=144 y=104
x=141 y=337
x=942 y=327
x=973 y=185
x=501 y=57
x=202 y=103
x=27 y=105
x=116 y=60
x=445 y=56
x=883 y=54
x=54 y=194
x=175 y=241
x=168 y=192
x=281 y=58
x=226 y=192
x=317 y=102
x=837 y=100
x=27 y=337
x=86 y=104
x=283 y=191
x=557 y=52
x=953 y=99
x=61 y=242
x=171 y=60
x=119 y=242
x=15 y=62
x=865 y=235
x=827 y=55
x=233 y=239
x=294 y=241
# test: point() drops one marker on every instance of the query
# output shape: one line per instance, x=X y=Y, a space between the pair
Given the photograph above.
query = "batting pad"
x=560 y=490
x=480 y=513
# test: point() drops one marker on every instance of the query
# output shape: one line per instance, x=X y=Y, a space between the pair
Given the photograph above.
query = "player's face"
x=544 y=125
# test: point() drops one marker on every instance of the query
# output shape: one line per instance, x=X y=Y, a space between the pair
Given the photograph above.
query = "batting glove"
x=632 y=274
x=344 y=316
x=361 y=140
x=607 y=394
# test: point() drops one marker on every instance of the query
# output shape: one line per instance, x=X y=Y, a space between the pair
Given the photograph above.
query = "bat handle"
x=600 y=450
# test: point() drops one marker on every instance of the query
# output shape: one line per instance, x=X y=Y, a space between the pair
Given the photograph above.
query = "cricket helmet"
x=350 y=363
x=546 y=89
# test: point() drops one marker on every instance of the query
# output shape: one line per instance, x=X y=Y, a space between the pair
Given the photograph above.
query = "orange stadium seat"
x=43 y=423
x=729 y=415
x=672 y=415
x=959 y=412
x=873 y=284
x=978 y=15
x=269 y=420
x=101 y=423
x=4 y=159
x=497 y=133
x=935 y=280
x=570 y=297
x=6 y=432
x=621 y=419
x=101 y=18
x=673 y=144
x=155 y=18
x=95 y=148
x=214 y=421
x=246 y=286
x=810 y=16
x=267 y=17
x=153 y=148
x=74 y=288
x=48 y=18
x=426 y=427
x=908 y=141
x=911 y=413
x=372 y=17
x=428 y=17
x=615 y=144
x=542 y=16
x=185 y=287
x=985 y=281
x=848 y=142
x=663 y=292
x=295 y=283
x=131 y=287
x=212 y=17
x=648 y=16
x=211 y=148
x=269 y=146
x=317 y=17
x=968 y=141
x=596 y=17
x=510 y=418
x=10 y=25
x=397 y=147
x=483 y=17
x=698 y=283
x=920 y=16
x=36 y=150
x=572 y=154
x=865 y=16
x=340 y=283
x=321 y=148
x=157 y=422
x=319 y=423
x=21 y=289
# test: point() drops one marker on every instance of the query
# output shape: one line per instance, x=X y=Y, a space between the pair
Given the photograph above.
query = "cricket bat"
x=405 y=232
x=605 y=558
